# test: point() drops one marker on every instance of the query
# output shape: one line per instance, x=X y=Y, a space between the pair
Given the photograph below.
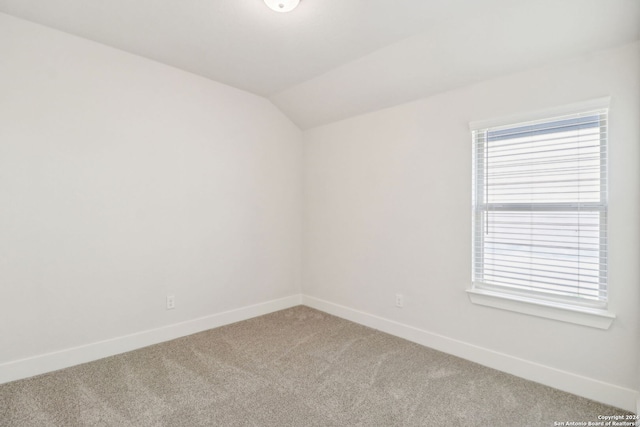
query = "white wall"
x=388 y=210
x=123 y=180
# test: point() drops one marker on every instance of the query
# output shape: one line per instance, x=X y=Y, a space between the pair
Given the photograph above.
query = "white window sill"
x=593 y=317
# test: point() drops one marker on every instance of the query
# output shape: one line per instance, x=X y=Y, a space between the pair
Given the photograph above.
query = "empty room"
x=319 y=213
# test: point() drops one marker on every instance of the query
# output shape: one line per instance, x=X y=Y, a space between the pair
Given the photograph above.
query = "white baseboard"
x=610 y=394
x=590 y=388
x=25 y=368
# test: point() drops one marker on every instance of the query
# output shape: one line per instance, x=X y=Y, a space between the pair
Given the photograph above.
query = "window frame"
x=544 y=305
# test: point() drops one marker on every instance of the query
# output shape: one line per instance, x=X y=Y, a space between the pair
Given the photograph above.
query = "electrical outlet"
x=399 y=300
x=171 y=302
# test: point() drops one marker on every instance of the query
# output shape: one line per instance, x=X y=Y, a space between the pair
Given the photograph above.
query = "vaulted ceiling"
x=332 y=59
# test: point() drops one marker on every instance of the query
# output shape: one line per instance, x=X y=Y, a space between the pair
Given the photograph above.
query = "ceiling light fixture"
x=282 y=5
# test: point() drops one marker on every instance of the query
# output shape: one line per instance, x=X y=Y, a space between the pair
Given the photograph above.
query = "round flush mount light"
x=282 y=5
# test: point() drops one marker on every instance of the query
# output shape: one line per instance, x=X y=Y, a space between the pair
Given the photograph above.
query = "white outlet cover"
x=171 y=302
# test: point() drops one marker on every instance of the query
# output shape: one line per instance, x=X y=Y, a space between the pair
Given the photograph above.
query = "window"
x=540 y=210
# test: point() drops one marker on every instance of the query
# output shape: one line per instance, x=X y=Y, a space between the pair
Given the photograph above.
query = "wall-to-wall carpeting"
x=296 y=367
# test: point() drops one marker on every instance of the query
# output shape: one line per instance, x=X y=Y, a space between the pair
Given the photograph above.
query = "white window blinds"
x=540 y=208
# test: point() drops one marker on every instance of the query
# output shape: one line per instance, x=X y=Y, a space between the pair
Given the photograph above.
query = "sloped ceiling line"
x=332 y=59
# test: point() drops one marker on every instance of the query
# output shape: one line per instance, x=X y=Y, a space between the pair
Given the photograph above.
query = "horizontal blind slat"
x=540 y=206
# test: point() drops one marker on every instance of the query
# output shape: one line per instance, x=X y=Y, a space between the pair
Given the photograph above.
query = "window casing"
x=540 y=209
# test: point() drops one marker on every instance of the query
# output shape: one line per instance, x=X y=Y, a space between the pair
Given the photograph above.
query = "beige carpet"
x=296 y=367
